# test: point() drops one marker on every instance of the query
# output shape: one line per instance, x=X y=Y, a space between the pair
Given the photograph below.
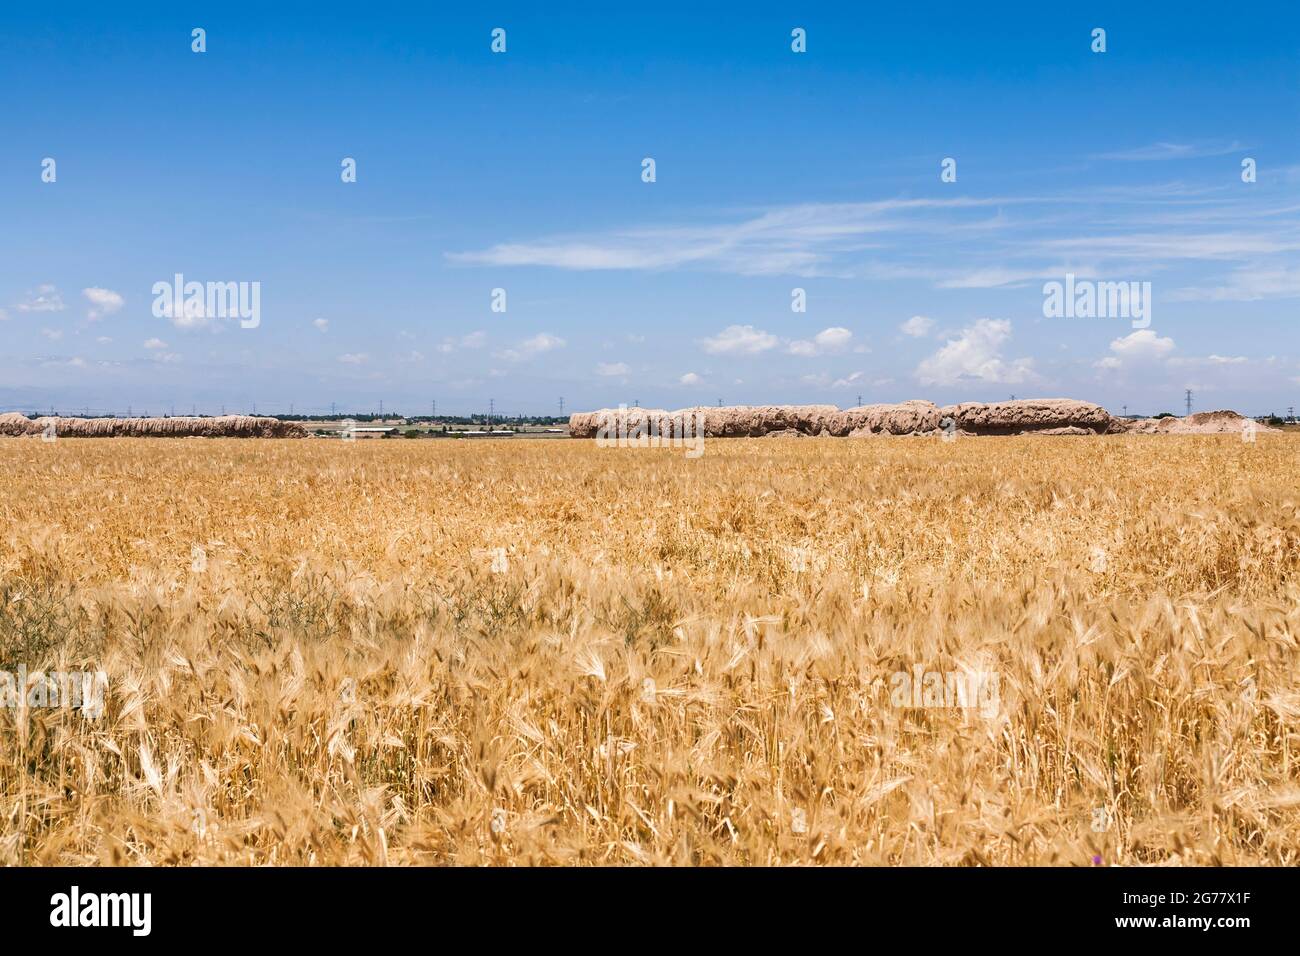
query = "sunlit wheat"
x=545 y=652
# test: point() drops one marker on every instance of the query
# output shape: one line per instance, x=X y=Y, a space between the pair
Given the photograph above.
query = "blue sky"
x=522 y=171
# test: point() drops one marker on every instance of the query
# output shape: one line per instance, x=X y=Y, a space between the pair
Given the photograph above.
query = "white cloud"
x=52 y=334
x=155 y=344
x=833 y=339
x=611 y=369
x=528 y=348
x=1216 y=361
x=740 y=340
x=848 y=381
x=918 y=326
x=103 y=340
x=193 y=314
x=1144 y=345
x=322 y=324
x=974 y=356
x=541 y=342
x=354 y=358
x=690 y=378
x=46 y=298
x=102 y=302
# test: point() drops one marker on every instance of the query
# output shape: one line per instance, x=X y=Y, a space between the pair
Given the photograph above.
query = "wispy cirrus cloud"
x=803 y=239
x=963 y=243
x=1246 y=285
x=1170 y=246
x=1157 y=152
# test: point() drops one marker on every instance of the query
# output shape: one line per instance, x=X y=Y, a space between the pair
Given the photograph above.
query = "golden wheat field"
x=317 y=654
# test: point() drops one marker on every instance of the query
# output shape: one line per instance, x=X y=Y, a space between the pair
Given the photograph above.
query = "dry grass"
x=678 y=664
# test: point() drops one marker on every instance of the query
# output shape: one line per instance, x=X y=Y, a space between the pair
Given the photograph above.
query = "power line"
x=1189 y=401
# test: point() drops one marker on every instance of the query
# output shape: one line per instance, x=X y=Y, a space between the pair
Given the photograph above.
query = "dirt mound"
x=1221 y=422
x=907 y=418
x=736 y=421
x=754 y=421
x=1030 y=416
x=12 y=423
x=225 y=426
x=622 y=421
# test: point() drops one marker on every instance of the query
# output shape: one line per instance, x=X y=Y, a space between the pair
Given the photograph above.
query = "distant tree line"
x=465 y=420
